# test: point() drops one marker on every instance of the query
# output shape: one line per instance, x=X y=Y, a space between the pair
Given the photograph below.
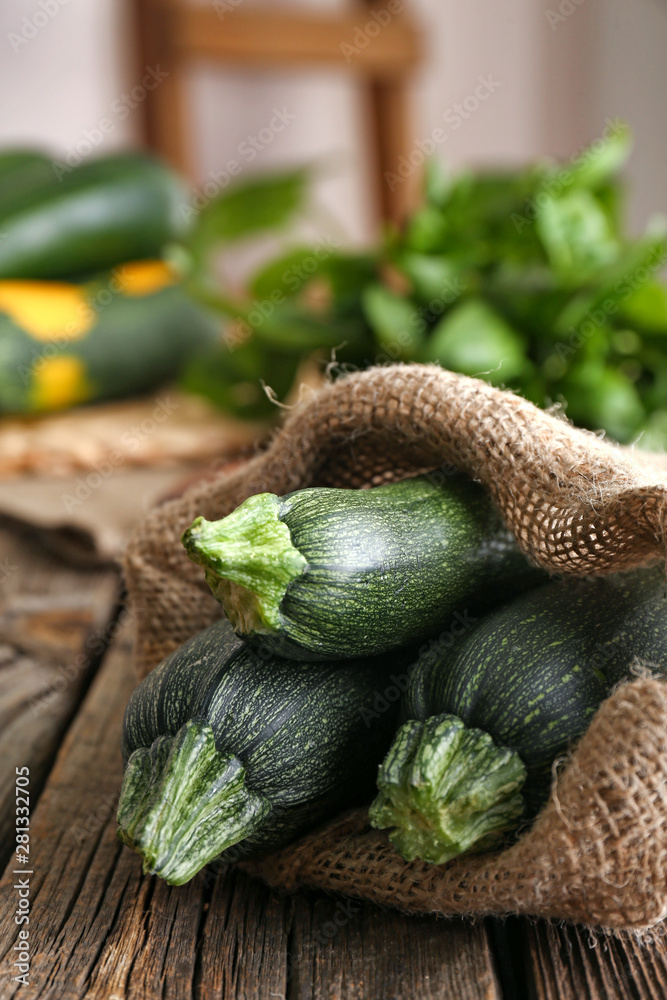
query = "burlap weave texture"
x=598 y=851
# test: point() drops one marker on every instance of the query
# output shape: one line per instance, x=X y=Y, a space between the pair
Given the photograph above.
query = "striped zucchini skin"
x=533 y=673
x=390 y=565
x=309 y=736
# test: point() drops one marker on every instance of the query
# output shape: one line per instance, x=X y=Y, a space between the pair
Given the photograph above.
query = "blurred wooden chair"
x=376 y=42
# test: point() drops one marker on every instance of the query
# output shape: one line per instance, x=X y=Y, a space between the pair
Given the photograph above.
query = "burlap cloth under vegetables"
x=598 y=851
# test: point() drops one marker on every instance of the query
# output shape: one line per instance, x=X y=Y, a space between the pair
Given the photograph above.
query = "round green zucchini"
x=486 y=720
x=337 y=573
x=228 y=752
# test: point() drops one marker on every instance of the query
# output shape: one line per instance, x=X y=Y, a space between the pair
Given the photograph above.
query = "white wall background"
x=558 y=82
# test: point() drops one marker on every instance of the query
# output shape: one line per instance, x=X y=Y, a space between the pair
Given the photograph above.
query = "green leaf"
x=232 y=379
x=576 y=235
x=295 y=331
x=433 y=276
x=602 y=397
x=288 y=275
x=438 y=183
x=653 y=384
x=598 y=162
x=475 y=340
x=427 y=230
x=250 y=208
x=646 y=307
x=611 y=199
x=653 y=434
x=530 y=301
x=393 y=319
x=285 y=274
x=614 y=285
x=349 y=274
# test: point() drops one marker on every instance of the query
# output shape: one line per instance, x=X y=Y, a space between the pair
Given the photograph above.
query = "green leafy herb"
x=524 y=277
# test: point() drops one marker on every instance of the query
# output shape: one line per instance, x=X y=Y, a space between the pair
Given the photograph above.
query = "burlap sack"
x=598 y=851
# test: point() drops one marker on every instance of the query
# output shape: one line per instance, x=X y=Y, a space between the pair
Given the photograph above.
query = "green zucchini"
x=335 y=573
x=15 y=162
x=229 y=753
x=23 y=171
x=122 y=334
x=104 y=212
x=487 y=719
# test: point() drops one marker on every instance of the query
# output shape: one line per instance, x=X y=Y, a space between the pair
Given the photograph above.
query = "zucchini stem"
x=249 y=561
x=445 y=789
x=183 y=802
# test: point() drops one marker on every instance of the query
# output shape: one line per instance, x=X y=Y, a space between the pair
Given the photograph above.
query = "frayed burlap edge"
x=596 y=854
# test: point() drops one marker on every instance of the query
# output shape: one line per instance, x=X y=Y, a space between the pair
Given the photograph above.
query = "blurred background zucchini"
x=117 y=335
x=61 y=225
x=71 y=332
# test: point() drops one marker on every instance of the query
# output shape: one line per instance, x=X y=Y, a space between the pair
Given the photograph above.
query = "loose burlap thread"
x=597 y=853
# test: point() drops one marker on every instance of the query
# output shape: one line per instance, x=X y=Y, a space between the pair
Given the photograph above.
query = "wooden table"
x=98 y=929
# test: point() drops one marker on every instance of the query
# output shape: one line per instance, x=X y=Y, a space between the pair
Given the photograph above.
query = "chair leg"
x=391 y=144
x=163 y=114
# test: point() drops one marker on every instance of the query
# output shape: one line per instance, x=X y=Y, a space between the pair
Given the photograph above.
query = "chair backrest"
x=377 y=43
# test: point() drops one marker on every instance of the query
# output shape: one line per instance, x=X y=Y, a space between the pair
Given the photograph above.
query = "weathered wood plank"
x=54 y=621
x=346 y=950
x=76 y=886
x=568 y=963
x=646 y=965
x=244 y=939
x=100 y=929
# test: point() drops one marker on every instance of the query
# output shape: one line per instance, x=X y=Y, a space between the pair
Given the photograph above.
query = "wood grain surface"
x=53 y=626
x=103 y=930
x=568 y=963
